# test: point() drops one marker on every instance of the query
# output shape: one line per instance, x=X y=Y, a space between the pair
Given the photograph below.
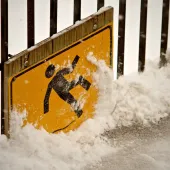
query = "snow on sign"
x=58 y=92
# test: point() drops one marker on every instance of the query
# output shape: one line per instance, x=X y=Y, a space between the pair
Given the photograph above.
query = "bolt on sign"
x=53 y=82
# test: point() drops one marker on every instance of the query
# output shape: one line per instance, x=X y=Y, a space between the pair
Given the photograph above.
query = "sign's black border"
x=60 y=52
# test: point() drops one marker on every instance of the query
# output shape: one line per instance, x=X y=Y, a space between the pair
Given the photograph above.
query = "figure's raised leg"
x=73 y=102
x=83 y=82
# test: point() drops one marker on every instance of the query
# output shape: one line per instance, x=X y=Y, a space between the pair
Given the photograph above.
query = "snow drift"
x=135 y=99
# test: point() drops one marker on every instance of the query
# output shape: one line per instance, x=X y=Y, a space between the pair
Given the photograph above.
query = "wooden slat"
x=30 y=23
x=53 y=16
x=101 y=20
x=164 y=31
x=108 y=16
x=100 y=4
x=142 y=38
x=77 y=10
x=4 y=53
x=121 y=37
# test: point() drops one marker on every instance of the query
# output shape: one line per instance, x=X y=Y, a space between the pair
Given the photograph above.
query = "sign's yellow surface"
x=58 y=93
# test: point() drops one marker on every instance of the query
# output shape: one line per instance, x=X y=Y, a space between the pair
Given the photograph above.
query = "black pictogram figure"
x=62 y=87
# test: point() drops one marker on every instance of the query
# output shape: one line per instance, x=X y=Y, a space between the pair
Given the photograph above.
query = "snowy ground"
x=119 y=137
x=141 y=148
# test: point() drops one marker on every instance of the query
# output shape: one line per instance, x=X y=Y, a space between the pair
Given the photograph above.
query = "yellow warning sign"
x=58 y=93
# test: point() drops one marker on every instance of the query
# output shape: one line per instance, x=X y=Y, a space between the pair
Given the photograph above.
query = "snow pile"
x=29 y=148
x=136 y=99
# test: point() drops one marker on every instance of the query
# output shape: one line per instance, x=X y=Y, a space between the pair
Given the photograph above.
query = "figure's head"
x=50 y=71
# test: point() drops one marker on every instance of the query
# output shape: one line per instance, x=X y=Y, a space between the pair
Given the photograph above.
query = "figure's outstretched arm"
x=46 y=99
x=69 y=70
x=75 y=61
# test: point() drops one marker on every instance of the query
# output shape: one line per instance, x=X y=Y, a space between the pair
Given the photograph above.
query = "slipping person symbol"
x=62 y=87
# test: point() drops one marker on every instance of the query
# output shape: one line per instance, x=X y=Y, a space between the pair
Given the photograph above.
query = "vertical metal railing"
x=121 y=37
x=4 y=53
x=53 y=16
x=30 y=23
x=100 y=4
x=164 y=31
x=142 y=35
x=77 y=11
